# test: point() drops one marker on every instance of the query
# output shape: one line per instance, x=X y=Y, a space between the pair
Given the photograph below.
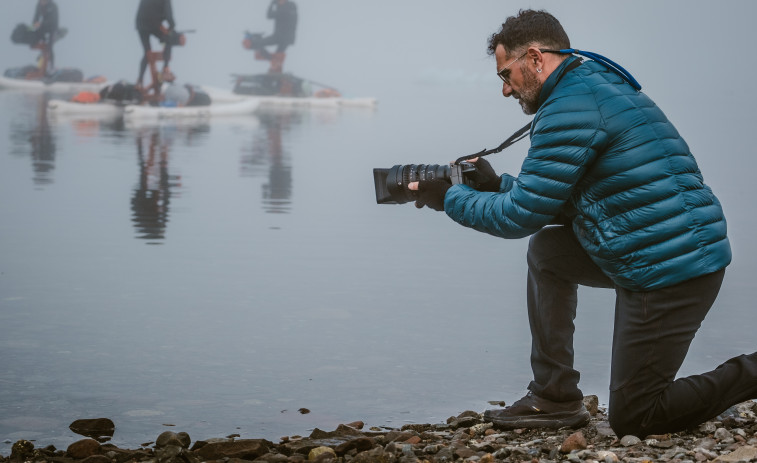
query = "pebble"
x=607 y=456
x=629 y=441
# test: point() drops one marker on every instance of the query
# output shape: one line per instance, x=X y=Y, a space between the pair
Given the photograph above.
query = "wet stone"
x=375 y=455
x=97 y=459
x=246 y=449
x=96 y=428
x=321 y=453
x=273 y=458
x=83 y=449
x=169 y=438
x=360 y=444
x=356 y=424
x=21 y=450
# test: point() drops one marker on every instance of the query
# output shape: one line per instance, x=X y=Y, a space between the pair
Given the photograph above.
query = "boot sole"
x=547 y=421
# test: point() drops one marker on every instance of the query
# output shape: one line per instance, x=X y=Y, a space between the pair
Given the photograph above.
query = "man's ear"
x=535 y=57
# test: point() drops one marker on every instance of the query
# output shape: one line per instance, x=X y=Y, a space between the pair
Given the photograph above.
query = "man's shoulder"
x=591 y=86
x=599 y=77
x=573 y=94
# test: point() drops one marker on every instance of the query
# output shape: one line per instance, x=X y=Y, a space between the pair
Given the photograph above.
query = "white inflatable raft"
x=108 y=110
x=54 y=87
x=213 y=110
x=105 y=110
x=218 y=94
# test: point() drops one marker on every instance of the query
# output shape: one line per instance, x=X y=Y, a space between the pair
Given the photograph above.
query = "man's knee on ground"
x=627 y=418
x=623 y=426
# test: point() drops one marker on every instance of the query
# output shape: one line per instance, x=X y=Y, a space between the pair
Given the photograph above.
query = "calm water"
x=220 y=276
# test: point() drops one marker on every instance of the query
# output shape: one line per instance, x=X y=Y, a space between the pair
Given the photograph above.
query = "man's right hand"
x=484 y=176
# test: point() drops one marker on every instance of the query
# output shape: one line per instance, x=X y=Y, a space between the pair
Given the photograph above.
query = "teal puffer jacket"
x=605 y=157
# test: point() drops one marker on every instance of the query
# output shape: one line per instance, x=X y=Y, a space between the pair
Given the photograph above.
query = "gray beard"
x=529 y=95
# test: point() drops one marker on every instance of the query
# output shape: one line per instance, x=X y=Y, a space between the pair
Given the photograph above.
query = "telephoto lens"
x=392 y=184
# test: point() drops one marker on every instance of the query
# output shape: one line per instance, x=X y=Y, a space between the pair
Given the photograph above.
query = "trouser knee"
x=626 y=418
x=622 y=426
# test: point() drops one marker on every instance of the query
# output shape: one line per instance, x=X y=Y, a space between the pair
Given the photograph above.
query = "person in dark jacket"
x=150 y=17
x=613 y=198
x=46 y=26
x=284 y=15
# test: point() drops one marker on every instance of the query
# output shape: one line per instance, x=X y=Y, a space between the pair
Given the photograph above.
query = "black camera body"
x=391 y=184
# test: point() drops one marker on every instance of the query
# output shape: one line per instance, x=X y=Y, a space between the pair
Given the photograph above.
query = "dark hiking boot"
x=533 y=411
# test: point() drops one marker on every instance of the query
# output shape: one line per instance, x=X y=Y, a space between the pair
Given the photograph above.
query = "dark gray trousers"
x=652 y=334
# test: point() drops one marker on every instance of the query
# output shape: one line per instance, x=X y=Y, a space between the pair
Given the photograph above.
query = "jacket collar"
x=569 y=64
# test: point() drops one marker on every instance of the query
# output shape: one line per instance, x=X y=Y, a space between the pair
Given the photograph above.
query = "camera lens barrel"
x=392 y=184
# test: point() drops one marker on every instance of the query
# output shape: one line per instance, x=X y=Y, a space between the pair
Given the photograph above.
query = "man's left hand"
x=431 y=193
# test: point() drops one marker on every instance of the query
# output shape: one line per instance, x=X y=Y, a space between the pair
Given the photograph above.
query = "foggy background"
x=694 y=58
x=691 y=57
x=439 y=98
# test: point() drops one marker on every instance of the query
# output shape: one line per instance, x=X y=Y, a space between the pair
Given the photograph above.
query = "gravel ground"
x=731 y=437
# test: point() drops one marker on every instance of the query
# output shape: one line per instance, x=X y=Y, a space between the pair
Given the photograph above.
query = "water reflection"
x=266 y=157
x=38 y=136
x=156 y=186
x=152 y=196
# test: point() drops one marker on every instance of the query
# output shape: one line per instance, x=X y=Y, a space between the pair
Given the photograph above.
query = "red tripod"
x=42 y=62
x=151 y=93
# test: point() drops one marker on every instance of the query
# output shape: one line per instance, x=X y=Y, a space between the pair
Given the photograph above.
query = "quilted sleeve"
x=566 y=136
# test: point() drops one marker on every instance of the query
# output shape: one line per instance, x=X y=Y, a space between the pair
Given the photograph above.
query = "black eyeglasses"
x=506 y=77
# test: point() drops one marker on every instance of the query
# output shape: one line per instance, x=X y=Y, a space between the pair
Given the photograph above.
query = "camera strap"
x=605 y=61
x=523 y=131
x=517 y=136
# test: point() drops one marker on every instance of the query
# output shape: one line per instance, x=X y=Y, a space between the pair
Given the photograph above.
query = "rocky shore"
x=731 y=437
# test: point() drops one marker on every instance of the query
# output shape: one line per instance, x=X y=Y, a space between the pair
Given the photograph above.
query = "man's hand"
x=484 y=176
x=430 y=193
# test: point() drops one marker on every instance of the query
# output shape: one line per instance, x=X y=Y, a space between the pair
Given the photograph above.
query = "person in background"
x=150 y=17
x=45 y=24
x=612 y=197
x=284 y=15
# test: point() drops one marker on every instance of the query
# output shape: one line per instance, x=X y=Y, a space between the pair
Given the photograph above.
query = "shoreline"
x=730 y=437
